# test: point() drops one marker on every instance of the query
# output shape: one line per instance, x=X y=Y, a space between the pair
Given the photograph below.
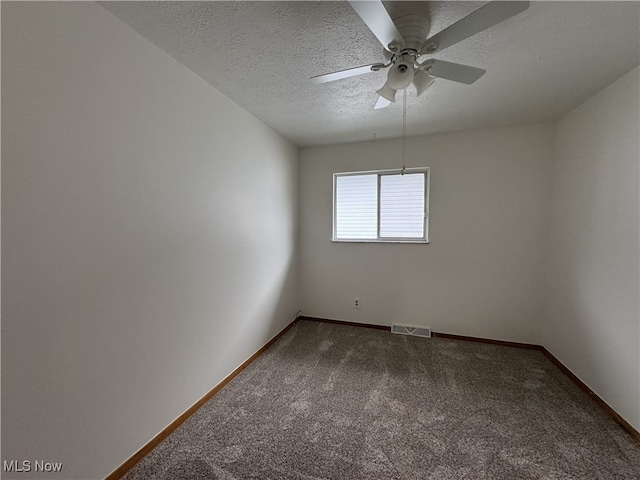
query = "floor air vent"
x=415 y=331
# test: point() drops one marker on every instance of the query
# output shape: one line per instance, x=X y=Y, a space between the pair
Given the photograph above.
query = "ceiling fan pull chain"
x=404 y=128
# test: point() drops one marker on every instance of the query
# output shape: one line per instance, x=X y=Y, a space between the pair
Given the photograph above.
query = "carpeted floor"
x=332 y=401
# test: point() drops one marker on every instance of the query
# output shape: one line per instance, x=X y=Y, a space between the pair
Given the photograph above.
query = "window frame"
x=379 y=174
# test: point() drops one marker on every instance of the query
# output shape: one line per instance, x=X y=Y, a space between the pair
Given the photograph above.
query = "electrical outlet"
x=356 y=302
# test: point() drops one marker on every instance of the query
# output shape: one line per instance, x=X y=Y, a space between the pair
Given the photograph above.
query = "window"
x=381 y=206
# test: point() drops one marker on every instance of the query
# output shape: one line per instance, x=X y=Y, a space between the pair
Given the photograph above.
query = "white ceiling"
x=540 y=64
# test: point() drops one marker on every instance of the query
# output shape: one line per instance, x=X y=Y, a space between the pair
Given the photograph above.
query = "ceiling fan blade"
x=452 y=71
x=487 y=16
x=381 y=103
x=351 y=72
x=376 y=17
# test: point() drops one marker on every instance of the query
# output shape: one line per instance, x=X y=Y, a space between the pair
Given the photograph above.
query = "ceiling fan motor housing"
x=414 y=29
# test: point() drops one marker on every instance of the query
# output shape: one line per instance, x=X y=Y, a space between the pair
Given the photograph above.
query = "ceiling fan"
x=405 y=42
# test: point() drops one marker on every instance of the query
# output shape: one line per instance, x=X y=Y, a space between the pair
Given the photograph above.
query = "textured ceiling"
x=540 y=64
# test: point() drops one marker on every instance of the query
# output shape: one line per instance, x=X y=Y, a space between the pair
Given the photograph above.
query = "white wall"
x=592 y=308
x=481 y=274
x=148 y=242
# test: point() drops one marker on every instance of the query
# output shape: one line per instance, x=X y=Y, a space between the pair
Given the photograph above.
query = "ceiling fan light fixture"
x=422 y=81
x=401 y=73
x=387 y=92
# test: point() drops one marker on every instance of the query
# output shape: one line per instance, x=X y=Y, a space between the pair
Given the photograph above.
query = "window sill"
x=380 y=241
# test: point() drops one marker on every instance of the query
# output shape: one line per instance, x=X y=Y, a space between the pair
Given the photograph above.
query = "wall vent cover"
x=408 y=330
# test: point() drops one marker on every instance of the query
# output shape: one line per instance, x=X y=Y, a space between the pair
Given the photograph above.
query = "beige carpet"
x=332 y=401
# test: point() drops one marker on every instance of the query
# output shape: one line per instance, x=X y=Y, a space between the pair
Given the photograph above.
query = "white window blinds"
x=402 y=206
x=382 y=206
x=356 y=206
